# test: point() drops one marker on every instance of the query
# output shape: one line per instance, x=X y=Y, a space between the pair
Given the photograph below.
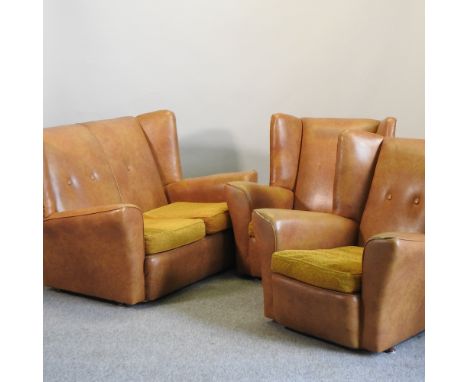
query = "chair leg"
x=390 y=350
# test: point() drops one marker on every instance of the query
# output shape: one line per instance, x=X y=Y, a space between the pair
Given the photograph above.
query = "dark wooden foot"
x=391 y=350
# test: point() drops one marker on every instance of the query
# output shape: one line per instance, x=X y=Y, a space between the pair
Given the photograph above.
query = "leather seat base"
x=322 y=313
x=168 y=271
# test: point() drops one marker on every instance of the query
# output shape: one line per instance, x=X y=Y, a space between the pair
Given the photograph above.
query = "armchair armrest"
x=96 y=251
x=276 y=230
x=205 y=188
x=242 y=198
x=392 y=289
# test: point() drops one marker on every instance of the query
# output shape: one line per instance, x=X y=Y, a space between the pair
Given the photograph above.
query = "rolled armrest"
x=206 y=188
x=242 y=198
x=277 y=230
x=96 y=251
x=392 y=289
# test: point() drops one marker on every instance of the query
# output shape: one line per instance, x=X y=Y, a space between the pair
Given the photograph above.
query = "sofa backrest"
x=110 y=161
x=131 y=161
x=397 y=194
x=303 y=155
x=161 y=133
x=76 y=171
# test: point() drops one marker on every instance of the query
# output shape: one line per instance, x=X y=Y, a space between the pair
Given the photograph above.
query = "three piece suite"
x=337 y=237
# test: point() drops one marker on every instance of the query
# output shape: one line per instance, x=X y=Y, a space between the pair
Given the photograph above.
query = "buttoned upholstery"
x=130 y=160
x=76 y=171
x=305 y=174
x=99 y=179
x=396 y=199
x=311 y=285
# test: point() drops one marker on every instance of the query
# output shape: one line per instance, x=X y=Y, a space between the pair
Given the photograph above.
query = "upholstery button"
x=69 y=182
x=92 y=177
x=389 y=196
x=416 y=200
x=128 y=168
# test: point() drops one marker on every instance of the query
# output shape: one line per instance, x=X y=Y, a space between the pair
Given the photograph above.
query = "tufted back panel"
x=132 y=163
x=316 y=172
x=396 y=198
x=76 y=171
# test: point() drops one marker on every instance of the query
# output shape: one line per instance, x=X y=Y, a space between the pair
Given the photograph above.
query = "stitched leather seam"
x=107 y=160
x=197 y=222
x=153 y=154
x=47 y=190
x=339 y=161
x=298 y=160
x=272 y=227
x=321 y=268
x=383 y=238
x=247 y=196
x=123 y=208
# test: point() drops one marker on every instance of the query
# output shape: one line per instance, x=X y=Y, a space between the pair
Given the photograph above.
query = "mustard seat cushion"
x=338 y=269
x=214 y=215
x=165 y=234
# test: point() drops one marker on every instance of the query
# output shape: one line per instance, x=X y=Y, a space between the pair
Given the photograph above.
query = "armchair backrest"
x=122 y=160
x=303 y=155
x=396 y=198
x=357 y=155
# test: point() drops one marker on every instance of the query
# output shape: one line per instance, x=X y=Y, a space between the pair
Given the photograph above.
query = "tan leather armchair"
x=302 y=172
x=120 y=222
x=354 y=280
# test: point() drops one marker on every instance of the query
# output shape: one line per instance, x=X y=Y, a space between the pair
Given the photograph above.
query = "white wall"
x=225 y=66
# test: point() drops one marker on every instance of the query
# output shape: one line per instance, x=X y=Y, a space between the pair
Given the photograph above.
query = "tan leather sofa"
x=302 y=173
x=354 y=277
x=120 y=222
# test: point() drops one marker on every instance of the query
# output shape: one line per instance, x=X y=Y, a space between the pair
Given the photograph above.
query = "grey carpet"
x=211 y=331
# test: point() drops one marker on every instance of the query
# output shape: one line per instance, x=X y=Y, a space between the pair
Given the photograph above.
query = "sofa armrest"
x=277 y=230
x=96 y=251
x=242 y=198
x=205 y=188
x=392 y=289
x=90 y=211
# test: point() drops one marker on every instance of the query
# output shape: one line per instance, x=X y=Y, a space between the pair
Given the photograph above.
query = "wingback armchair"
x=355 y=276
x=302 y=172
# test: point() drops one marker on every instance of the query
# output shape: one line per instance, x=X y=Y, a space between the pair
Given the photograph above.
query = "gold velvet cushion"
x=165 y=234
x=338 y=269
x=214 y=215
